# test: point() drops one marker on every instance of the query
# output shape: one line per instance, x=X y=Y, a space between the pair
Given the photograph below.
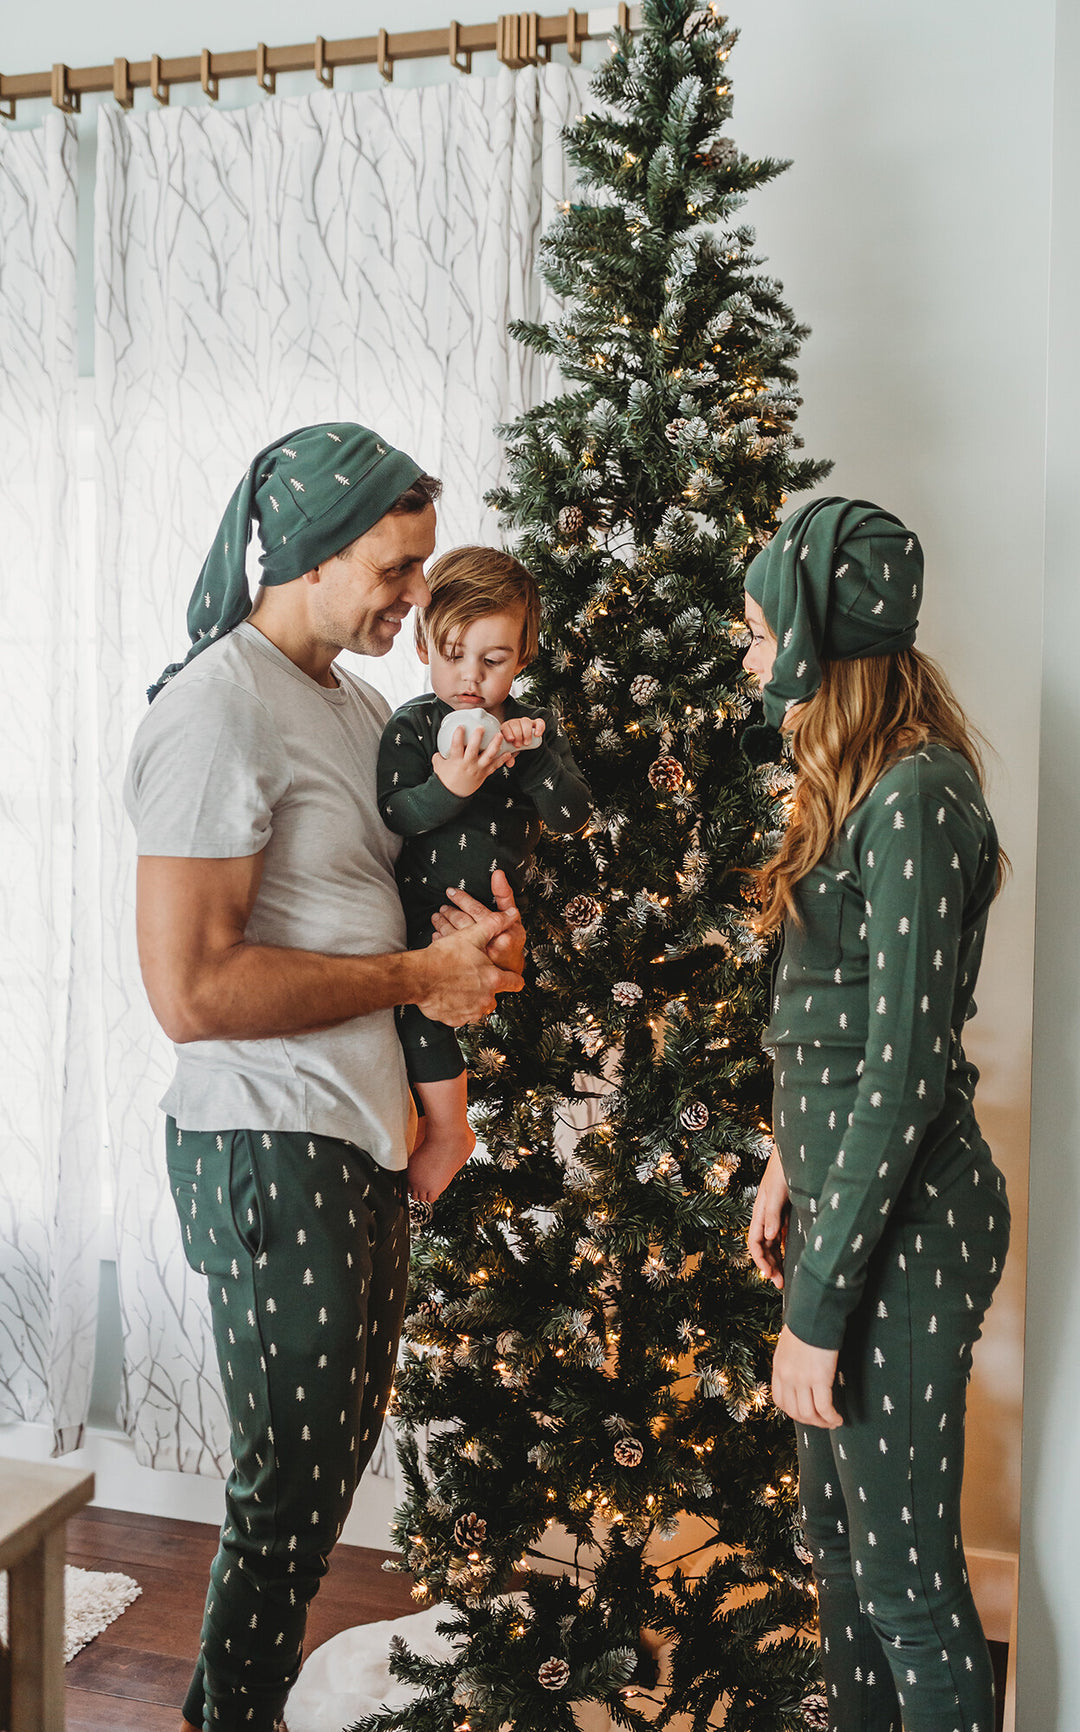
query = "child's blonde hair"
x=469 y=584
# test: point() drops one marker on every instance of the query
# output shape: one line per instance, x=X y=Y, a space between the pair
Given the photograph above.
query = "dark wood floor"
x=132 y=1677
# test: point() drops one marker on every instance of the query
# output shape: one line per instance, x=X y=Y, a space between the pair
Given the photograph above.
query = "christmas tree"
x=588 y=1342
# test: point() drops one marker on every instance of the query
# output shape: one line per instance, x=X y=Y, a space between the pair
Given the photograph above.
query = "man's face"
x=358 y=599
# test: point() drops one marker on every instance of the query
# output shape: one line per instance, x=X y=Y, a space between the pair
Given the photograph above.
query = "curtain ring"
x=206 y=77
x=121 y=82
x=573 y=40
x=459 y=57
x=324 y=73
x=385 y=64
x=506 y=40
x=63 y=99
x=264 y=78
x=157 y=83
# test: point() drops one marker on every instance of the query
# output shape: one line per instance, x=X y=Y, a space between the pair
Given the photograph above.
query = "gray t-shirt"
x=243 y=752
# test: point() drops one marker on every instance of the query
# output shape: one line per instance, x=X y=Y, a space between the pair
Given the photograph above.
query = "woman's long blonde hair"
x=866 y=713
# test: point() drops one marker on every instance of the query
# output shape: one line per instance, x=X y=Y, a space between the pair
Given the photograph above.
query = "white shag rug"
x=350 y=1674
x=93 y=1599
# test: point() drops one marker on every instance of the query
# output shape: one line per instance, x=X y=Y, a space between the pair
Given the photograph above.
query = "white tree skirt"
x=350 y=1674
x=93 y=1599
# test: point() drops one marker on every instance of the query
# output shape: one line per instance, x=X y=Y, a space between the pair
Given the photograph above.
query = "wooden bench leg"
x=36 y=1636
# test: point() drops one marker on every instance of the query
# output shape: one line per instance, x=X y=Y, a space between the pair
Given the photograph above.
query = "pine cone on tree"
x=582 y=911
x=470 y=1531
x=694 y=1116
x=815 y=1713
x=721 y=153
x=554 y=1674
x=626 y=993
x=675 y=427
x=666 y=774
x=628 y=1452
x=571 y=521
x=643 y=688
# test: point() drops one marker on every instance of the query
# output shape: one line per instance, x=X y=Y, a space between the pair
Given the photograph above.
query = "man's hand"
x=467 y=767
x=477 y=954
x=802 y=1381
x=769 y=1221
x=507 y=948
x=519 y=731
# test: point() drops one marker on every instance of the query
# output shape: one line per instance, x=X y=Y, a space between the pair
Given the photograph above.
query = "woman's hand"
x=768 y=1223
x=803 y=1379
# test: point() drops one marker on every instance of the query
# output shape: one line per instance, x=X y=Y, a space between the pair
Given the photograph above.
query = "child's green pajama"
x=305 y=1244
x=898 y=1233
x=460 y=840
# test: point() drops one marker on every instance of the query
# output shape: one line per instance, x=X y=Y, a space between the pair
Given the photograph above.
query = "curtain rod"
x=517 y=38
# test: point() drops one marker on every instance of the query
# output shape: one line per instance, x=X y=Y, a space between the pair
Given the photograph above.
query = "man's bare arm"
x=206 y=982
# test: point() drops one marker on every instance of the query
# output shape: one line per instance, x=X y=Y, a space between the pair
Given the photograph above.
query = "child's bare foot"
x=440 y=1156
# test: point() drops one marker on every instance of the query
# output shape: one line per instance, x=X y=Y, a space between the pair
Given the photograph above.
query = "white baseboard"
x=120 y=1482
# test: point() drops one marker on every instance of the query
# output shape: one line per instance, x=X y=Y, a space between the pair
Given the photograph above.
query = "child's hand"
x=520 y=731
x=467 y=767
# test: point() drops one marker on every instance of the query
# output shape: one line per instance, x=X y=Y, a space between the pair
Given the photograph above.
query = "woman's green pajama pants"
x=901 y=1642
x=304 y=1241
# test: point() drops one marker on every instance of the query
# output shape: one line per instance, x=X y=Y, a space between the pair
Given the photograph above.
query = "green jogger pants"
x=304 y=1241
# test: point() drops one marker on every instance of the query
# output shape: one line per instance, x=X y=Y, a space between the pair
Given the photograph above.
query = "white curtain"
x=351 y=257
x=50 y=1116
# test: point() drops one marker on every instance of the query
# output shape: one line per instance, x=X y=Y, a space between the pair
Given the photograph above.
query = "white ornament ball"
x=470 y=720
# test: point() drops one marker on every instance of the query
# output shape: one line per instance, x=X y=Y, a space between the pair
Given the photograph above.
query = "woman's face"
x=759 y=658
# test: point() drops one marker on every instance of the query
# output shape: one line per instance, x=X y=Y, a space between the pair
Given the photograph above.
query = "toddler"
x=471 y=808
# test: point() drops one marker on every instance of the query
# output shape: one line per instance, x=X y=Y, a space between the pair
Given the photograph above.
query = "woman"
x=881 y=1213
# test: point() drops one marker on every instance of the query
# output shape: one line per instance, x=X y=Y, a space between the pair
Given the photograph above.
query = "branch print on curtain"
x=338 y=257
x=50 y=1143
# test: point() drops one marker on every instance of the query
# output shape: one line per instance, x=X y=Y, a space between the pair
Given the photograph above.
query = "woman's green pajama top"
x=873 y=1093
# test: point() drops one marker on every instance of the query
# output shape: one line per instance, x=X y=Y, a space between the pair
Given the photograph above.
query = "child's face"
x=476 y=667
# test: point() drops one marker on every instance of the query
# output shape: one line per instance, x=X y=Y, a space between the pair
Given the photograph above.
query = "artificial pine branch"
x=588 y=1341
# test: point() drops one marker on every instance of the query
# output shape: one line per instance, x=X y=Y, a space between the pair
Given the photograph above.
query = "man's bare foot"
x=438 y=1158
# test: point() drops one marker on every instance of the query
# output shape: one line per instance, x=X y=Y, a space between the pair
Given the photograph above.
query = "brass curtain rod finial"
x=206 y=77
x=157 y=83
x=324 y=73
x=385 y=64
x=459 y=57
x=264 y=78
x=63 y=99
x=121 y=82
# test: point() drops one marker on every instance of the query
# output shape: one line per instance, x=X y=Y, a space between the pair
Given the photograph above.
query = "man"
x=272 y=946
